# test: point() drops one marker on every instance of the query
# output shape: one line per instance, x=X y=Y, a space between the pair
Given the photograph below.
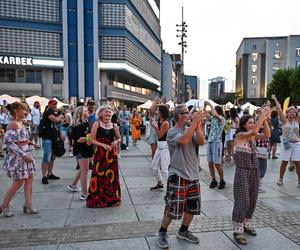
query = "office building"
x=103 y=49
x=216 y=87
x=258 y=58
x=194 y=83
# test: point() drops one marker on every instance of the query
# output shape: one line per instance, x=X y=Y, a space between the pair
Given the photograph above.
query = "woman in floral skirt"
x=18 y=163
x=104 y=190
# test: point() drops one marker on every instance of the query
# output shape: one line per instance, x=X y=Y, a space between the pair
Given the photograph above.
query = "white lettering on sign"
x=16 y=60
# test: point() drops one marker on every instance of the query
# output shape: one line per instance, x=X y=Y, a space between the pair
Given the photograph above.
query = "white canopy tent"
x=146 y=105
x=228 y=105
x=7 y=99
x=171 y=104
x=213 y=103
x=250 y=107
x=60 y=104
x=195 y=102
x=35 y=98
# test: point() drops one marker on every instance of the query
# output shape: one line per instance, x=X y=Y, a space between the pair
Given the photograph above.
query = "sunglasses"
x=184 y=113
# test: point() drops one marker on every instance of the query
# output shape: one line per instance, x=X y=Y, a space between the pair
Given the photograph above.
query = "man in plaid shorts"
x=183 y=197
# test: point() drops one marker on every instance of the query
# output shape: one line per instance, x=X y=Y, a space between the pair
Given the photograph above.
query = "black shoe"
x=274 y=157
x=157 y=188
x=77 y=167
x=1 y=155
x=90 y=166
x=213 y=184
x=291 y=168
x=52 y=177
x=221 y=184
x=44 y=180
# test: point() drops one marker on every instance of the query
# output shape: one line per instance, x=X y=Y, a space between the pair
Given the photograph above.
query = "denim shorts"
x=79 y=156
x=47 y=148
x=214 y=152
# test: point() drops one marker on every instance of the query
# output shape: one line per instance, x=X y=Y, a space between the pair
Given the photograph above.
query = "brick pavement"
x=286 y=223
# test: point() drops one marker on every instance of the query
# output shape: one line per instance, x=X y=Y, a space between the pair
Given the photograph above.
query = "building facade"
x=194 y=83
x=216 y=87
x=169 y=77
x=257 y=59
x=108 y=50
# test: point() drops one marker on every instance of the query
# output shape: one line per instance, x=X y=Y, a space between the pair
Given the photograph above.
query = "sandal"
x=240 y=238
x=250 y=230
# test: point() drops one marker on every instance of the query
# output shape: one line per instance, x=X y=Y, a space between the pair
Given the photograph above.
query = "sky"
x=216 y=29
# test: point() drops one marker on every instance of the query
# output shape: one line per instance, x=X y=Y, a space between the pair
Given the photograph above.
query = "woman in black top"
x=82 y=149
x=161 y=159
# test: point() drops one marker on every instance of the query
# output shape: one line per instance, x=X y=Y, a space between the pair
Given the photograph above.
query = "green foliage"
x=285 y=83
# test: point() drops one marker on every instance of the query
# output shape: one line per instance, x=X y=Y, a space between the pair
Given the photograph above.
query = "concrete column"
x=97 y=87
x=80 y=48
x=47 y=82
x=65 y=50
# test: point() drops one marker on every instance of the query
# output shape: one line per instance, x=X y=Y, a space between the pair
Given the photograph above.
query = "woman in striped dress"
x=246 y=179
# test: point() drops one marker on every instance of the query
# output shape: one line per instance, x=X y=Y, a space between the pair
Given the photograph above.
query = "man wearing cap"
x=50 y=122
x=91 y=108
x=36 y=118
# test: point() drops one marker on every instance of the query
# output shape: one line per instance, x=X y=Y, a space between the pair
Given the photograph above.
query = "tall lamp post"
x=182 y=30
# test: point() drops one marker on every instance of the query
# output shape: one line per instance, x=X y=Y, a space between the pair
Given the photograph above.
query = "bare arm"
x=257 y=126
x=278 y=106
x=267 y=131
x=199 y=134
x=54 y=118
x=163 y=129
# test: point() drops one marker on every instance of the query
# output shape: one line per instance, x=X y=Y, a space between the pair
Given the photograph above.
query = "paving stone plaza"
x=65 y=223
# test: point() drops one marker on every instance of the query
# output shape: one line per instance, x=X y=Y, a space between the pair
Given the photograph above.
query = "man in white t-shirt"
x=36 y=119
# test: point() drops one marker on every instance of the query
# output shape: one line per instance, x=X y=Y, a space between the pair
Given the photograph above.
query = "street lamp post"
x=182 y=30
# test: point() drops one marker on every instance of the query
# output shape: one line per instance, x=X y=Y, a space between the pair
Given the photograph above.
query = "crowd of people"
x=95 y=137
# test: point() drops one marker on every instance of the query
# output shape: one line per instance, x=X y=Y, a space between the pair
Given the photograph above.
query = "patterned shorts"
x=182 y=196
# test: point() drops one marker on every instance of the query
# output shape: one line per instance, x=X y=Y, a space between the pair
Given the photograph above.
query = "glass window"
x=254 y=68
x=30 y=76
x=253 y=80
x=57 y=76
x=276 y=66
x=127 y=87
x=277 y=54
x=38 y=76
x=254 y=47
x=2 y=75
x=297 y=51
x=254 y=57
x=11 y=75
x=297 y=64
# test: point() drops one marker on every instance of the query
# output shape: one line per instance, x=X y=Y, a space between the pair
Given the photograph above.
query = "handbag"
x=58 y=148
x=262 y=152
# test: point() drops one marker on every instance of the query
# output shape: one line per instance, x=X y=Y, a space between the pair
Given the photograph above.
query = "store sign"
x=16 y=60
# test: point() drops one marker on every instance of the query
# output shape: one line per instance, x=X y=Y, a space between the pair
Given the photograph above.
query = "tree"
x=280 y=84
x=295 y=86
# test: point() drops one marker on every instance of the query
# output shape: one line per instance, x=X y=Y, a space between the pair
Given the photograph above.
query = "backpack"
x=42 y=127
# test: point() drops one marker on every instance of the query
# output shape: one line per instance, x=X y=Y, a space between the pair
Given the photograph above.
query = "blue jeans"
x=47 y=148
x=125 y=130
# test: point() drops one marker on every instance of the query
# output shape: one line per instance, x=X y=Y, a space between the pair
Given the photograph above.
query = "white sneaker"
x=280 y=182
x=119 y=156
x=74 y=188
x=83 y=197
x=127 y=148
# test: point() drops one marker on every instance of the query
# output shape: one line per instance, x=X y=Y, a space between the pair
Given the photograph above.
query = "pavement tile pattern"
x=65 y=223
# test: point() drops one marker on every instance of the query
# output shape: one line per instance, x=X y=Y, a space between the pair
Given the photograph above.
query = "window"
x=297 y=65
x=297 y=51
x=277 y=54
x=33 y=76
x=11 y=75
x=253 y=80
x=57 y=76
x=276 y=66
x=253 y=92
x=254 y=68
x=254 y=57
x=2 y=75
x=254 y=47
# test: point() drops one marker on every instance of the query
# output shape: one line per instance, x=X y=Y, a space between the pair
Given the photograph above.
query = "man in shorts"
x=183 y=197
x=214 y=146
